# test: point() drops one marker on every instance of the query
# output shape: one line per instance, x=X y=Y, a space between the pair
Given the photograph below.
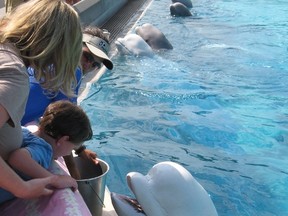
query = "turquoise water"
x=216 y=104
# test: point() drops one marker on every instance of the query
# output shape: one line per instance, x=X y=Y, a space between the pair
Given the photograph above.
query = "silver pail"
x=92 y=183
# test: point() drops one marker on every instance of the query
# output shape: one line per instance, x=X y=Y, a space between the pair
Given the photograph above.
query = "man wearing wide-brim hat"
x=95 y=50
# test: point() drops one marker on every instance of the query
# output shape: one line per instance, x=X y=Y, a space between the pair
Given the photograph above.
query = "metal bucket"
x=92 y=183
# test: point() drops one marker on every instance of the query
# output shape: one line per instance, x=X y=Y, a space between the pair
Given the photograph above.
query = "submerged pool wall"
x=97 y=12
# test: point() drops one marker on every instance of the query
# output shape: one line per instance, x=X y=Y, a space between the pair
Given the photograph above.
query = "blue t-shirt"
x=38 y=101
x=40 y=151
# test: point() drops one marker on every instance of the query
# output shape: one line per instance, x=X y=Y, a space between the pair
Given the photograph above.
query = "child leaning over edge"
x=63 y=127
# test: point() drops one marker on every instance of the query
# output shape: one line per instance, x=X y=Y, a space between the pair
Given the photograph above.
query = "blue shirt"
x=40 y=151
x=38 y=101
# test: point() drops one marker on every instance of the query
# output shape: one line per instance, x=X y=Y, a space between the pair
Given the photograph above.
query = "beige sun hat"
x=98 y=47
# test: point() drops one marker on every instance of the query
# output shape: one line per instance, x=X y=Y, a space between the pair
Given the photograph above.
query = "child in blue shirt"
x=63 y=127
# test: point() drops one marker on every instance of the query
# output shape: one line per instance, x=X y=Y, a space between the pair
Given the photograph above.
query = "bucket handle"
x=100 y=200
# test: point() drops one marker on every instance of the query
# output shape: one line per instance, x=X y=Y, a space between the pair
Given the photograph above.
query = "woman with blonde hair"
x=45 y=35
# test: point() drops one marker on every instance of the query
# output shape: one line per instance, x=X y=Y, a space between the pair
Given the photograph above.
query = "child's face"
x=65 y=147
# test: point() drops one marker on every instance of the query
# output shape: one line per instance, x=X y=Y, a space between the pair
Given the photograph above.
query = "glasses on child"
x=89 y=57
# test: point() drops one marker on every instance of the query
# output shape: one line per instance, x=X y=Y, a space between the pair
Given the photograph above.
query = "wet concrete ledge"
x=96 y=12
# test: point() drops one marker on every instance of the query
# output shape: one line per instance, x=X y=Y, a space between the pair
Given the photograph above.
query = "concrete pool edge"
x=92 y=12
x=96 y=12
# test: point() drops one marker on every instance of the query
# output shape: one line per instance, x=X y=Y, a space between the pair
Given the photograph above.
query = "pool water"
x=216 y=104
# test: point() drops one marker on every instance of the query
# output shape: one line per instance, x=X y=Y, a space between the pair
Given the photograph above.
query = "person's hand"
x=65 y=181
x=36 y=187
x=89 y=155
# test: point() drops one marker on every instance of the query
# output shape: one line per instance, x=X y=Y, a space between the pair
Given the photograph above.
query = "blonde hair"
x=48 y=35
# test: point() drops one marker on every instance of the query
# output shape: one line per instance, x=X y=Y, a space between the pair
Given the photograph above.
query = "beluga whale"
x=168 y=189
x=133 y=44
x=153 y=36
x=187 y=3
x=179 y=10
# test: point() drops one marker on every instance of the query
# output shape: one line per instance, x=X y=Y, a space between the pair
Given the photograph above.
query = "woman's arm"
x=30 y=189
x=22 y=161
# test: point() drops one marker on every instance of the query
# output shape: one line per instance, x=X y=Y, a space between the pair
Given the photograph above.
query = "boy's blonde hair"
x=48 y=35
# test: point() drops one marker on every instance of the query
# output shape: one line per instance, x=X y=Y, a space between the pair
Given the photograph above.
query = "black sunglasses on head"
x=89 y=57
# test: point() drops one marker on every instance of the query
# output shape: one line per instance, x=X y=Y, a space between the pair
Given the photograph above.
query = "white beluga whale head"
x=168 y=189
x=133 y=44
x=153 y=36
